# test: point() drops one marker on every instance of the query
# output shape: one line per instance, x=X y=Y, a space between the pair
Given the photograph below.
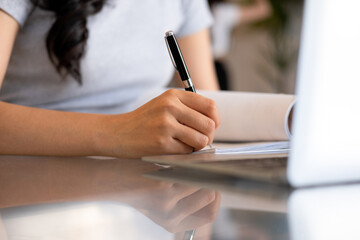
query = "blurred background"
x=256 y=44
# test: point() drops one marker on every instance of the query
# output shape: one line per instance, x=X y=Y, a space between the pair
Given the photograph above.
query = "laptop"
x=326 y=127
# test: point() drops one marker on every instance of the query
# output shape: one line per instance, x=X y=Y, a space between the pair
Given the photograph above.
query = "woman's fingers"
x=200 y=104
x=191 y=137
x=198 y=122
x=178 y=146
x=198 y=118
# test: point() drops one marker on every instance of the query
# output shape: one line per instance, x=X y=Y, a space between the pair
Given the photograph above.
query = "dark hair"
x=66 y=39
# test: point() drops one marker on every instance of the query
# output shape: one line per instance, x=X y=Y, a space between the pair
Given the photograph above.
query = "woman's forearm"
x=31 y=131
x=174 y=122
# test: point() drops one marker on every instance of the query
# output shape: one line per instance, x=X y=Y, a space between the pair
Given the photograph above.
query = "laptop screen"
x=327 y=115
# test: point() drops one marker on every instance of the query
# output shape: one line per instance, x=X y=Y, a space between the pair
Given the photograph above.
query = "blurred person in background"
x=227 y=16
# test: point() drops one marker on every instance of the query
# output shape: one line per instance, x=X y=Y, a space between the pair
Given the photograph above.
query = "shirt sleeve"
x=18 y=9
x=197 y=16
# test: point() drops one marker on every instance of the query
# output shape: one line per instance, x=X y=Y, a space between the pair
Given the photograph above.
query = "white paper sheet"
x=248 y=148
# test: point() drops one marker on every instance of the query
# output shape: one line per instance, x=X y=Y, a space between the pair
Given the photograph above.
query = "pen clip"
x=171 y=56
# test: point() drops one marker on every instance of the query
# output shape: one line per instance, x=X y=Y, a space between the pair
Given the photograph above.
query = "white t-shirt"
x=125 y=54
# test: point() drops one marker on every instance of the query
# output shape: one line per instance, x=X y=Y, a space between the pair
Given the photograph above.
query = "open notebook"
x=246 y=117
x=252 y=124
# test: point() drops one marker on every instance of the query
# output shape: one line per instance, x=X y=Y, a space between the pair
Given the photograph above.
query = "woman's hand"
x=175 y=122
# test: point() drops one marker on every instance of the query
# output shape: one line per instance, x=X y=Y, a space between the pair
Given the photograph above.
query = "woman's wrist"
x=102 y=136
x=107 y=135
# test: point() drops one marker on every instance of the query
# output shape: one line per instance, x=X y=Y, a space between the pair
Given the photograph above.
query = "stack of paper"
x=248 y=148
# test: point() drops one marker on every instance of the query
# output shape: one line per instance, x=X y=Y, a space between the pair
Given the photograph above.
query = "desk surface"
x=103 y=198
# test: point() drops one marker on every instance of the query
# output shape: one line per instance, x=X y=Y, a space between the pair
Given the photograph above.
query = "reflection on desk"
x=101 y=198
x=94 y=198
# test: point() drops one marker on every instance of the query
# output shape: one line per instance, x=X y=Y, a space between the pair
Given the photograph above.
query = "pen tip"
x=169 y=33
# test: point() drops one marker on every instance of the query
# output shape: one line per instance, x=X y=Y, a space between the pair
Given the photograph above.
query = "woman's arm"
x=8 y=32
x=175 y=122
x=196 y=49
x=31 y=131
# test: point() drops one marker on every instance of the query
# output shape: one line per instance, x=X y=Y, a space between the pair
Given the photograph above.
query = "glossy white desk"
x=95 y=198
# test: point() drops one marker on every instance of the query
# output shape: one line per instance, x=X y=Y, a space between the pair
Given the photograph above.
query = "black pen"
x=180 y=65
x=178 y=61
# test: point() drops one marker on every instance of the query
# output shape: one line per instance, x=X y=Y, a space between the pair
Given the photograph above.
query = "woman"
x=74 y=59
